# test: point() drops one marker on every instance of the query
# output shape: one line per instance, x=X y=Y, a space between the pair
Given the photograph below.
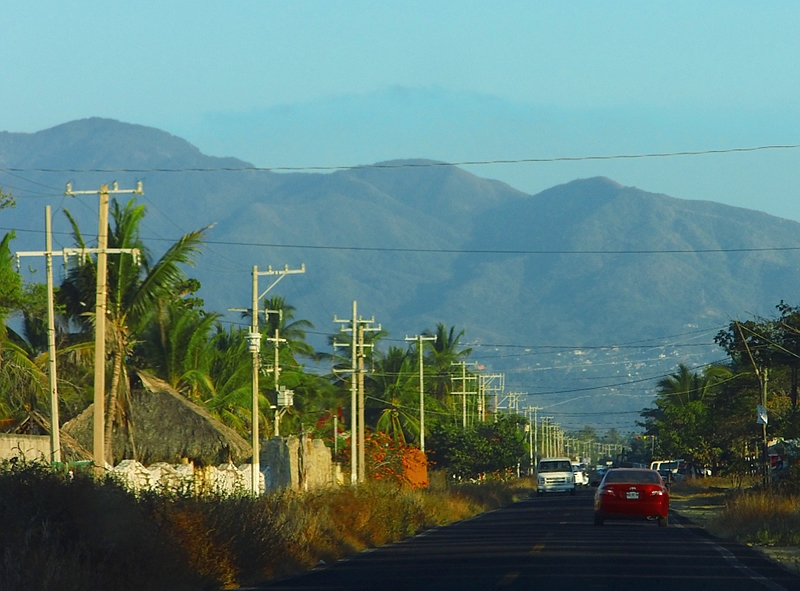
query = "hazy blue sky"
x=348 y=82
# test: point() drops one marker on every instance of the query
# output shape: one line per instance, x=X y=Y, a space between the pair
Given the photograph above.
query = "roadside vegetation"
x=81 y=533
x=62 y=532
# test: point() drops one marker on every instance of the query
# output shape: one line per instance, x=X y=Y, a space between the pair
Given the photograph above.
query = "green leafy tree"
x=488 y=448
x=685 y=420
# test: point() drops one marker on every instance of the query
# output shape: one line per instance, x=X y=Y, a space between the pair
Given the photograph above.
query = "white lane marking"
x=734 y=562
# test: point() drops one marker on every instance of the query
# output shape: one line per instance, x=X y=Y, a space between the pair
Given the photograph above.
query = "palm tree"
x=686 y=386
x=135 y=291
x=394 y=387
x=230 y=371
x=177 y=346
x=443 y=354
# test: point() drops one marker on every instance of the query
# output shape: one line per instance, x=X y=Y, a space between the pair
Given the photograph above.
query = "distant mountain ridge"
x=588 y=263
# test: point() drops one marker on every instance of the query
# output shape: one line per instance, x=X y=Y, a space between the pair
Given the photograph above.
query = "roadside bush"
x=78 y=533
x=63 y=533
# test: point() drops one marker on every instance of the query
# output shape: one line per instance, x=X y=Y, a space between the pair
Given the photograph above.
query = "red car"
x=631 y=493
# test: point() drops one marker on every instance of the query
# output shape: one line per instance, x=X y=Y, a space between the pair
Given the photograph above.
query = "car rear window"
x=632 y=477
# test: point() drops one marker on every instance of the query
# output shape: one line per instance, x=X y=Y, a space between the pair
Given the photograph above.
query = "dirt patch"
x=699 y=505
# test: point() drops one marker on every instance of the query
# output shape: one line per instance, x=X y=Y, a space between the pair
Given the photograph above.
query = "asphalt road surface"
x=550 y=543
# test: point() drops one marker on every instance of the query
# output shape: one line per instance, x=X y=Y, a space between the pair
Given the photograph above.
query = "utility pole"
x=55 y=435
x=532 y=435
x=98 y=434
x=764 y=441
x=463 y=391
x=490 y=384
x=420 y=339
x=254 y=346
x=362 y=463
x=357 y=418
x=362 y=431
x=353 y=394
x=284 y=398
x=763 y=419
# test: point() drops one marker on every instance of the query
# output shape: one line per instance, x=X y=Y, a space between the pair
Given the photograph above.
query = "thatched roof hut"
x=38 y=424
x=166 y=427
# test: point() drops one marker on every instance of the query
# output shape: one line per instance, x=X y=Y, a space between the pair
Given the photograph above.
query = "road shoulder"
x=702 y=506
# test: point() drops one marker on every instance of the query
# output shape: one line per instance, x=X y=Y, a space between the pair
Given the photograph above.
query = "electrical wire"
x=472 y=251
x=426 y=164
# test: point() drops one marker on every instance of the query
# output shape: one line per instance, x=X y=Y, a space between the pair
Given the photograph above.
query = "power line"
x=462 y=251
x=427 y=164
x=471 y=251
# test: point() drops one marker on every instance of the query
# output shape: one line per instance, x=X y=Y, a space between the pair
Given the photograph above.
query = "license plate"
x=632 y=494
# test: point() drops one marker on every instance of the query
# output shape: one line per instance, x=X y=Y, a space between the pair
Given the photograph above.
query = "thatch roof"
x=166 y=428
x=38 y=424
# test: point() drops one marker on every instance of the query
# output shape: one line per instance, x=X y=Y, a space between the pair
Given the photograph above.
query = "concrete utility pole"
x=99 y=452
x=420 y=339
x=362 y=430
x=353 y=393
x=532 y=439
x=464 y=391
x=254 y=346
x=362 y=463
x=284 y=397
x=357 y=418
x=55 y=435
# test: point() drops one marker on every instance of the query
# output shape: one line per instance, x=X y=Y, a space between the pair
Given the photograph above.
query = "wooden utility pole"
x=100 y=311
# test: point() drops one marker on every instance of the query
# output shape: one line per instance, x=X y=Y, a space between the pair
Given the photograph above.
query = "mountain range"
x=584 y=290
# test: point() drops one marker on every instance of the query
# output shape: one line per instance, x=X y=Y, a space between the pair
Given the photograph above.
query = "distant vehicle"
x=580 y=475
x=670 y=470
x=554 y=475
x=631 y=493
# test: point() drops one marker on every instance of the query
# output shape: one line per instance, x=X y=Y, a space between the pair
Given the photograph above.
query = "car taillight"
x=657 y=493
x=607 y=491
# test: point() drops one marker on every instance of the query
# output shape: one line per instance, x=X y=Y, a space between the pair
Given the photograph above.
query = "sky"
x=349 y=82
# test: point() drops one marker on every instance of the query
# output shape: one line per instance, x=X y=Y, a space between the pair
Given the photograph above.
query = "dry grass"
x=65 y=534
x=761 y=517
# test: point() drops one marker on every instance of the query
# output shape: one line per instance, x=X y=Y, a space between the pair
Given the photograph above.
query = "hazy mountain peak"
x=98 y=142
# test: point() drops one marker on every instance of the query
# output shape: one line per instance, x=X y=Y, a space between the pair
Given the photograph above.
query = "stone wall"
x=225 y=479
x=292 y=463
x=296 y=464
x=29 y=447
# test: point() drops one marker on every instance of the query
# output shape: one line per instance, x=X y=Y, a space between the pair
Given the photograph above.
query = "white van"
x=555 y=475
x=670 y=469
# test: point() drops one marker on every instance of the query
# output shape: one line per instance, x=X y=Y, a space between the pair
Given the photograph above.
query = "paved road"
x=550 y=543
